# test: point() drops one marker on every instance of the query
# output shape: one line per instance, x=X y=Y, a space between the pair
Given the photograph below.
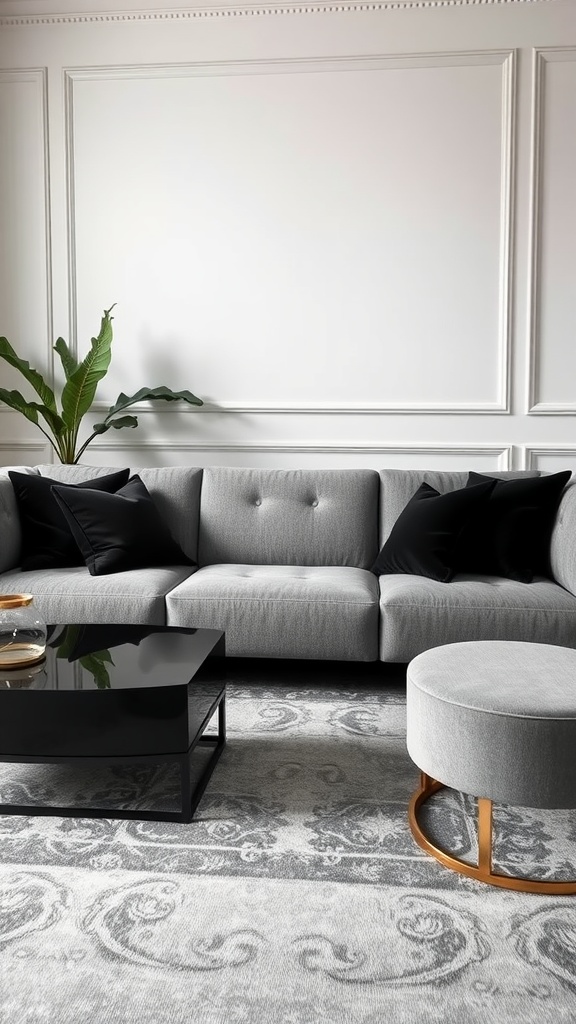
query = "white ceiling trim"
x=186 y=14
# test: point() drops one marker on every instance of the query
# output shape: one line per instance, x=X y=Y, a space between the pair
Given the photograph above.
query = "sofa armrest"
x=9 y=524
x=563 y=542
x=10 y=532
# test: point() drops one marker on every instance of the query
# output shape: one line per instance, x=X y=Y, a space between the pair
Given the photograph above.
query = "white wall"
x=351 y=231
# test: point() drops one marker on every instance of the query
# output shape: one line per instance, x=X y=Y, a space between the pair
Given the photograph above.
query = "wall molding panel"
x=565 y=454
x=504 y=60
x=542 y=58
x=41 y=252
x=215 y=408
x=24 y=453
x=71 y=215
x=502 y=452
x=342 y=454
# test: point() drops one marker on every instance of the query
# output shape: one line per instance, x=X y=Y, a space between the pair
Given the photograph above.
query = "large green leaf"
x=160 y=393
x=69 y=362
x=32 y=376
x=31 y=410
x=79 y=391
x=117 y=424
x=14 y=400
x=101 y=428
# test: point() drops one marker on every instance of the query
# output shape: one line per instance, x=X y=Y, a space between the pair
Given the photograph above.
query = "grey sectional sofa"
x=284 y=561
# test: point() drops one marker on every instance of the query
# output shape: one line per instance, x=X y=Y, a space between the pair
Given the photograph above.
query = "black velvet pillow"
x=512 y=537
x=47 y=542
x=424 y=536
x=118 y=531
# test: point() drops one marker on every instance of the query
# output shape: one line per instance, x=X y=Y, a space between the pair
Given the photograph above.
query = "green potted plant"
x=61 y=426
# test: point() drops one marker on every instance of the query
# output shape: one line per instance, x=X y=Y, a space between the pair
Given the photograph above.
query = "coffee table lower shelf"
x=190 y=794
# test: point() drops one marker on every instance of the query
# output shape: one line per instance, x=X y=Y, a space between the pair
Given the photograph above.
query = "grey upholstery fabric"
x=289 y=517
x=311 y=525
x=75 y=474
x=283 y=611
x=72 y=595
x=563 y=542
x=175 y=490
x=418 y=613
x=398 y=485
x=10 y=532
x=497 y=720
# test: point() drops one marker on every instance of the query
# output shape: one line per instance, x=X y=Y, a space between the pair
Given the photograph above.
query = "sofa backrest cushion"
x=398 y=485
x=10 y=531
x=174 y=489
x=176 y=493
x=289 y=517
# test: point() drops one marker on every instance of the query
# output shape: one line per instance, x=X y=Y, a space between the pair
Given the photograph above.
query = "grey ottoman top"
x=501 y=677
x=496 y=719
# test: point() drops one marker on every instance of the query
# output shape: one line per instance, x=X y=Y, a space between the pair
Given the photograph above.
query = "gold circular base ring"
x=482 y=871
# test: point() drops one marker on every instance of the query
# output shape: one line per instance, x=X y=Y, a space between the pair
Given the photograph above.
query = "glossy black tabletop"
x=114 y=657
x=110 y=690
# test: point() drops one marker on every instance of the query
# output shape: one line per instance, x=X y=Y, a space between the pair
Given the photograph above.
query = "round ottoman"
x=495 y=719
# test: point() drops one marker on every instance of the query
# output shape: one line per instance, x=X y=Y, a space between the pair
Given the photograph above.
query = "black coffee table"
x=114 y=694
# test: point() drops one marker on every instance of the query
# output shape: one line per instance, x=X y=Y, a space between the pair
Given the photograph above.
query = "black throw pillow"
x=424 y=536
x=512 y=537
x=47 y=542
x=118 y=531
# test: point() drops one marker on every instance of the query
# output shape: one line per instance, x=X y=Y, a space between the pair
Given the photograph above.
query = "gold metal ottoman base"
x=483 y=870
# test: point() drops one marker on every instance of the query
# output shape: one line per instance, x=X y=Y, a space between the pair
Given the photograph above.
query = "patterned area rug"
x=297 y=896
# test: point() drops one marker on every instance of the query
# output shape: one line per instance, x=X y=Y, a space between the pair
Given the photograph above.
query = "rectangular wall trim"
x=504 y=59
x=541 y=58
x=501 y=454
x=560 y=452
x=39 y=77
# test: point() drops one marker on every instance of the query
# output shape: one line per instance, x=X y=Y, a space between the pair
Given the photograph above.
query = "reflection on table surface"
x=114 y=656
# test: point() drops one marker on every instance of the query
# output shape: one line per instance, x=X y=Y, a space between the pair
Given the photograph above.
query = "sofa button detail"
x=258 y=501
x=314 y=503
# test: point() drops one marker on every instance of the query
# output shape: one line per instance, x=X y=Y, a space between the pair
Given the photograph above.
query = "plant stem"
x=56 y=447
x=84 y=446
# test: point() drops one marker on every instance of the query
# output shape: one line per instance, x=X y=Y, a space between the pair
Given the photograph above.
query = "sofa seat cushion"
x=419 y=613
x=73 y=595
x=283 y=611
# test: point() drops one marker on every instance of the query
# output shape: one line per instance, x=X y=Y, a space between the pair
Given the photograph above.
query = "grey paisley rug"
x=297 y=896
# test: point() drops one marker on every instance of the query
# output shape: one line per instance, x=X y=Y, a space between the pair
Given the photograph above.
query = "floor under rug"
x=297 y=896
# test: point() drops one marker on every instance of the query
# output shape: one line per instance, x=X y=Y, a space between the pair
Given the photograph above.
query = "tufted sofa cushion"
x=417 y=613
x=289 y=517
x=283 y=611
x=73 y=595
